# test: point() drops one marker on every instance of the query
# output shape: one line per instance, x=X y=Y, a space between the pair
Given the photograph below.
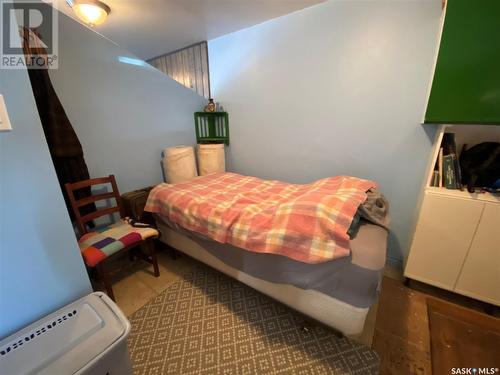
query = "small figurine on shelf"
x=210 y=107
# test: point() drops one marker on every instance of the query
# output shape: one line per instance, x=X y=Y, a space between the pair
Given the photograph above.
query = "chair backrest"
x=76 y=204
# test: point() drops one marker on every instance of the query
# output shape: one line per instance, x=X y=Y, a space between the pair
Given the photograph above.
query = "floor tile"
x=131 y=293
x=170 y=271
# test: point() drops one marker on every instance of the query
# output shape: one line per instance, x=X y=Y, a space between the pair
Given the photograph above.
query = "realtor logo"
x=29 y=31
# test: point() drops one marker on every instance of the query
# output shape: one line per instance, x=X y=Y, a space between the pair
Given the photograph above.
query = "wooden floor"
x=402 y=330
x=402 y=334
x=462 y=337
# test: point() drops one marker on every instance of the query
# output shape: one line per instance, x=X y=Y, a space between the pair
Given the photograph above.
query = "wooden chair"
x=100 y=247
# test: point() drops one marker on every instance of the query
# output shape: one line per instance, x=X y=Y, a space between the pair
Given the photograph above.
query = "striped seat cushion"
x=98 y=245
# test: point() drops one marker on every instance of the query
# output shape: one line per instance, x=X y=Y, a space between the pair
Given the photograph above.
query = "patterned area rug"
x=208 y=323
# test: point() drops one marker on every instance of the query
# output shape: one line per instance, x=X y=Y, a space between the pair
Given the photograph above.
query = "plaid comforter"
x=307 y=223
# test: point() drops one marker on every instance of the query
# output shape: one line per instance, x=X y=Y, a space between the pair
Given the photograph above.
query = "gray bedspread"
x=354 y=279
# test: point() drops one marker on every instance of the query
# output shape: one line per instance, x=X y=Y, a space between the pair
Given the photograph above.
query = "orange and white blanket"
x=307 y=223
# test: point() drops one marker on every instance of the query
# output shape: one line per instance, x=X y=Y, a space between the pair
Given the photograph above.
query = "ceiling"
x=149 y=28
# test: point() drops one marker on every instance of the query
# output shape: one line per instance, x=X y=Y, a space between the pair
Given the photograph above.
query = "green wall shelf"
x=466 y=84
x=212 y=127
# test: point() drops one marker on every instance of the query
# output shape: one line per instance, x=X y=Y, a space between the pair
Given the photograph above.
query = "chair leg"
x=103 y=277
x=154 y=260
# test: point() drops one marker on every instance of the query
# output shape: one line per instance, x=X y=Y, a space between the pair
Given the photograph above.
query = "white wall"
x=41 y=268
x=339 y=88
x=124 y=115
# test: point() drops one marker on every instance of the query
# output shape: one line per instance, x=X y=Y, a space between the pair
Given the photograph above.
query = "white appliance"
x=88 y=336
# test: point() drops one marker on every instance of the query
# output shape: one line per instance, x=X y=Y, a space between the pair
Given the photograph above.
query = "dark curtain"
x=65 y=148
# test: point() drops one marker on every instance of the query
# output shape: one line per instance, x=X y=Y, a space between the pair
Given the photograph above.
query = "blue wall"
x=124 y=111
x=41 y=268
x=338 y=88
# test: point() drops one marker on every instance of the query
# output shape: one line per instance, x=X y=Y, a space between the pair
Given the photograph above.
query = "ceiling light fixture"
x=92 y=12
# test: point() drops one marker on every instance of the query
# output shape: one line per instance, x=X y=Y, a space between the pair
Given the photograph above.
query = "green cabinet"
x=466 y=83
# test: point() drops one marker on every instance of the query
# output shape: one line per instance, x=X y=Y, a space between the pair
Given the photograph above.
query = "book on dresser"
x=435 y=179
x=440 y=167
x=451 y=173
x=449 y=177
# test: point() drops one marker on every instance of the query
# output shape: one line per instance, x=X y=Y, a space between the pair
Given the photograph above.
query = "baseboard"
x=394 y=262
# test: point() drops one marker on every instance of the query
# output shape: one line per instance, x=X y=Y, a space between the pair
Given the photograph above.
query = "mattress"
x=354 y=280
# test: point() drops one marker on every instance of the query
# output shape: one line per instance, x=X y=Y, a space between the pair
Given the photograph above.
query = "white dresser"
x=456 y=243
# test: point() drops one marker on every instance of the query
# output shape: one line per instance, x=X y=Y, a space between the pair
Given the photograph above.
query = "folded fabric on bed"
x=307 y=223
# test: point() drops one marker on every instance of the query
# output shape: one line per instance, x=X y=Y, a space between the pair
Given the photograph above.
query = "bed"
x=337 y=292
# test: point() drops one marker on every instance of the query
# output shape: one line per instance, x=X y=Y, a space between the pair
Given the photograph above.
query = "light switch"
x=4 y=117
